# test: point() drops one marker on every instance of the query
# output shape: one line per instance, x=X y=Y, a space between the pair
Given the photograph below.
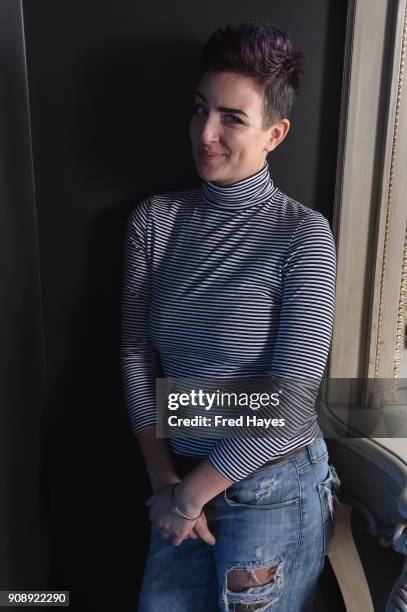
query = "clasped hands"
x=171 y=524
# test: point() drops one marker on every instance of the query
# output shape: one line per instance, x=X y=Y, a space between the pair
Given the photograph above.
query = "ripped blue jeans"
x=272 y=533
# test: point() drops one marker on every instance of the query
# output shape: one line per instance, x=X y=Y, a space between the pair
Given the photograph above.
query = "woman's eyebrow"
x=223 y=109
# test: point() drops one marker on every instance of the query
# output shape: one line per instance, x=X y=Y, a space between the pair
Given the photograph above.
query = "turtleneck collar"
x=252 y=190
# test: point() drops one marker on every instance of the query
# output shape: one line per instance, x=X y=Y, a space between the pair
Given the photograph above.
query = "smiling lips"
x=208 y=156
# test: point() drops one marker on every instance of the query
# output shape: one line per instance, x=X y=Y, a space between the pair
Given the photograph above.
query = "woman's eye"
x=196 y=108
x=234 y=117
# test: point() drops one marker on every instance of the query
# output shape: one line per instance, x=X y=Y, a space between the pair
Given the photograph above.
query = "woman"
x=233 y=279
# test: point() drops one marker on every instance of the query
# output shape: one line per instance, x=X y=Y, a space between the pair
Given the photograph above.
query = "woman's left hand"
x=161 y=514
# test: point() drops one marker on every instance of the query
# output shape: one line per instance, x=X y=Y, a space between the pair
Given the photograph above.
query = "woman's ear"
x=278 y=132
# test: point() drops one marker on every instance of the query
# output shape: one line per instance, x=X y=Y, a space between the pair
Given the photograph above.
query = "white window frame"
x=370 y=209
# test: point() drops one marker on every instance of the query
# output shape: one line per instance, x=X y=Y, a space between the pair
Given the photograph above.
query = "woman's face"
x=227 y=124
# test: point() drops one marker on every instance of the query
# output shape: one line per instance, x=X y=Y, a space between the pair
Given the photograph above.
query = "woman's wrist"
x=191 y=513
x=201 y=485
x=187 y=502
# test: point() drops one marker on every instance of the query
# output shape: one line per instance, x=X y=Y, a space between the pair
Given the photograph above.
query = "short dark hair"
x=263 y=52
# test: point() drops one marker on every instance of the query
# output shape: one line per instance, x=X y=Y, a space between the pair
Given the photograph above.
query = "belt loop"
x=312 y=448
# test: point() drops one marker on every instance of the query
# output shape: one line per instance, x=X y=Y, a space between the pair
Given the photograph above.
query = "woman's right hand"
x=200 y=528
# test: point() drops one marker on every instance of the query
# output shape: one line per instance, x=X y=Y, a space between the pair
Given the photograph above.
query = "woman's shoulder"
x=175 y=199
x=168 y=201
x=296 y=215
x=292 y=208
x=163 y=205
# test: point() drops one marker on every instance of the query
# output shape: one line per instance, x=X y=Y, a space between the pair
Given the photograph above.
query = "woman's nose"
x=210 y=131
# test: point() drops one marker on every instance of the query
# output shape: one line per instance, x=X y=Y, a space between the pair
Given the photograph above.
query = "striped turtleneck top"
x=235 y=281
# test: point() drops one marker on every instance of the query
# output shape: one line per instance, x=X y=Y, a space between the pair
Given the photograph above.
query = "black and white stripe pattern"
x=252 y=190
x=234 y=281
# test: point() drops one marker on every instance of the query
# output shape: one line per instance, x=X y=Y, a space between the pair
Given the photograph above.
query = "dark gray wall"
x=110 y=98
x=23 y=492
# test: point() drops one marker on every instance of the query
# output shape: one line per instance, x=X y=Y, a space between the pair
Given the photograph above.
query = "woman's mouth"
x=208 y=157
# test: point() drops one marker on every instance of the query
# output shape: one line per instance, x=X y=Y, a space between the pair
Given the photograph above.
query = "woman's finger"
x=203 y=531
x=177 y=540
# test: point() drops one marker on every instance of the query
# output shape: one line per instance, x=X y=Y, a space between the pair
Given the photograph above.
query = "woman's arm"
x=200 y=486
x=140 y=362
x=140 y=366
x=300 y=351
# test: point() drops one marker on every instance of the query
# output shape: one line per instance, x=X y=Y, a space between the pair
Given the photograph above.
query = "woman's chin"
x=208 y=174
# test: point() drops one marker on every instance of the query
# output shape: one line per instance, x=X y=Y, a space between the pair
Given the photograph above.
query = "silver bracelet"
x=177 y=510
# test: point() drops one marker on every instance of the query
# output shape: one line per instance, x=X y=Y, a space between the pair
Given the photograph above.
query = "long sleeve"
x=140 y=363
x=301 y=347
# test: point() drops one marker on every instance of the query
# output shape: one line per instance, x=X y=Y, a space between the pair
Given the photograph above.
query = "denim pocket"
x=327 y=490
x=266 y=489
